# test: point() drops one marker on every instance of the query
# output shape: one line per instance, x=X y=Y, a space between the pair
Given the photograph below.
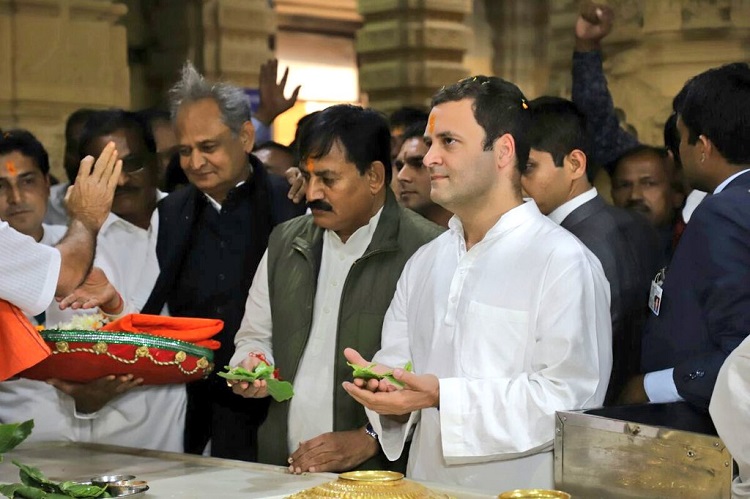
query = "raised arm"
x=88 y=202
x=590 y=91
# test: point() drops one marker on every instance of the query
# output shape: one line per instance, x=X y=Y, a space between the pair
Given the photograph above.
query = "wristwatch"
x=370 y=431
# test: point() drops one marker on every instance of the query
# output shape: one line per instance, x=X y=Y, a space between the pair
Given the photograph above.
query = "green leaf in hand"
x=279 y=390
x=366 y=372
x=13 y=434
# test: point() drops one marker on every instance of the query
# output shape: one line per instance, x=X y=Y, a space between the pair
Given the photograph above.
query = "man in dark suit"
x=705 y=297
x=558 y=177
x=212 y=235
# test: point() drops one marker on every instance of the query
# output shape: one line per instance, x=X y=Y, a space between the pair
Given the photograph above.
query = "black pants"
x=228 y=420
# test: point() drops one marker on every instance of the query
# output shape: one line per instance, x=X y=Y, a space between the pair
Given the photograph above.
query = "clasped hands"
x=382 y=396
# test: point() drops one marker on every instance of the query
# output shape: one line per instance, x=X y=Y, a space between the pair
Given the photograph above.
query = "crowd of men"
x=467 y=241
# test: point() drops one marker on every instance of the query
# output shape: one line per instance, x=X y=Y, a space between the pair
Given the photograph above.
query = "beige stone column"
x=58 y=56
x=520 y=42
x=237 y=39
x=410 y=48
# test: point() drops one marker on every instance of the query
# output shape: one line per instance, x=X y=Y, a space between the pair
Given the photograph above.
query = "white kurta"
x=29 y=271
x=151 y=417
x=516 y=328
x=313 y=383
x=730 y=411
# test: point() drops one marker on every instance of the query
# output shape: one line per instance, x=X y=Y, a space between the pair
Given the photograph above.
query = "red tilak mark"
x=431 y=124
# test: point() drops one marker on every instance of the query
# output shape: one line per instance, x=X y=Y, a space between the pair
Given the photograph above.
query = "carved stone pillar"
x=657 y=46
x=237 y=39
x=410 y=48
x=520 y=41
x=58 y=56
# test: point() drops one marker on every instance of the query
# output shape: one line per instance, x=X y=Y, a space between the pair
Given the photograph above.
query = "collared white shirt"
x=313 y=384
x=561 y=212
x=728 y=180
x=29 y=271
x=691 y=203
x=515 y=328
x=215 y=203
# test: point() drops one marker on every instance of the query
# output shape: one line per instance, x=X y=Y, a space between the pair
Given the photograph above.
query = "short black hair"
x=301 y=123
x=716 y=104
x=76 y=119
x=672 y=138
x=406 y=115
x=106 y=122
x=25 y=143
x=73 y=129
x=558 y=127
x=363 y=133
x=270 y=144
x=659 y=152
x=499 y=107
x=416 y=129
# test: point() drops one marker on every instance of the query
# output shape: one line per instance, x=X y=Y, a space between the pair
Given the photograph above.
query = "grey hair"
x=233 y=103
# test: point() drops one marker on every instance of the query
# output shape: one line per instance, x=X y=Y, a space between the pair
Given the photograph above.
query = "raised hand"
x=90 y=198
x=272 y=100
x=298 y=184
x=594 y=23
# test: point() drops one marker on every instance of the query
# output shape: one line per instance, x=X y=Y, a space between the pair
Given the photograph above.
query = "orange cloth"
x=192 y=330
x=20 y=344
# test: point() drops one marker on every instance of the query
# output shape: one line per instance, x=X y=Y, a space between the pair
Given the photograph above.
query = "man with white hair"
x=212 y=235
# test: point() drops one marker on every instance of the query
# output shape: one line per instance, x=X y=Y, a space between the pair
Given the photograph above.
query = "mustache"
x=319 y=205
x=125 y=189
x=637 y=205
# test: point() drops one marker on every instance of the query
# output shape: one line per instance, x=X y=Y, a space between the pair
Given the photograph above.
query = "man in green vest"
x=325 y=282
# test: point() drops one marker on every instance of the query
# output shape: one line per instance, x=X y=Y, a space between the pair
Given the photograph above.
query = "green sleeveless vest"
x=294 y=256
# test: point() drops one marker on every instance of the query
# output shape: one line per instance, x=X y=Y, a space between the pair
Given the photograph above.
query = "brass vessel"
x=369 y=485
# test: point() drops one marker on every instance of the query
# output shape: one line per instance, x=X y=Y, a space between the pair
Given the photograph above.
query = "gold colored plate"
x=371 y=476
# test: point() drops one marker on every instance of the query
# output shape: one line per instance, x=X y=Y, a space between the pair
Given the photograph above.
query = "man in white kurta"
x=149 y=417
x=730 y=411
x=507 y=312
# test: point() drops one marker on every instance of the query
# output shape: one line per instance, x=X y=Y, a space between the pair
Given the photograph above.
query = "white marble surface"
x=172 y=475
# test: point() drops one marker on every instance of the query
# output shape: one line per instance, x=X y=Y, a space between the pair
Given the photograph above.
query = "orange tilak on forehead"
x=310 y=165
x=11 y=167
x=431 y=124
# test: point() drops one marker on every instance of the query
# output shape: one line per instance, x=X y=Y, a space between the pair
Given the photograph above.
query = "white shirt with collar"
x=561 y=212
x=515 y=328
x=314 y=382
x=216 y=205
x=659 y=385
